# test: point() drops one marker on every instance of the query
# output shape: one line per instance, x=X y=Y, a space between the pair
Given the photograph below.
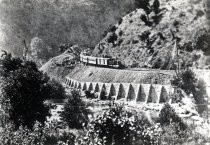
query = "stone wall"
x=139 y=93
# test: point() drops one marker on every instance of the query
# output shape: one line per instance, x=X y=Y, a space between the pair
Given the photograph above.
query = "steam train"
x=99 y=61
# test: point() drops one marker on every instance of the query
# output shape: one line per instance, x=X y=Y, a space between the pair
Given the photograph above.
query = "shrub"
x=156 y=5
x=111 y=29
x=75 y=113
x=119 y=127
x=173 y=135
x=112 y=37
x=40 y=135
x=24 y=91
x=120 y=42
x=90 y=95
x=168 y=116
x=188 y=82
x=143 y=4
x=120 y=33
x=120 y=21
x=56 y=90
x=202 y=42
x=146 y=20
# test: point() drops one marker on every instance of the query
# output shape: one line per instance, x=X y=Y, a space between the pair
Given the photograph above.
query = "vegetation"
x=40 y=135
x=112 y=37
x=90 y=95
x=175 y=131
x=168 y=116
x=57 y=22
x=143 y=4
x=24 y=91
x=174 y=135
x=75 y=112
x=118 y=127
x=188 y=82
x=56 y=90
x=202 y=43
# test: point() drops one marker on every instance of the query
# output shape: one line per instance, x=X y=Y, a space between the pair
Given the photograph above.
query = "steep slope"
x=57 y=21
x=56 y=68
x=151 y=39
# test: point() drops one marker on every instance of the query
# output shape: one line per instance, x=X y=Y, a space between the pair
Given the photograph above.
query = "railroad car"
x=99 y=61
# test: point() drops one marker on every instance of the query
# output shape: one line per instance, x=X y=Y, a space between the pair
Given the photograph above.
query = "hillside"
x=147 y=39
x=57 y=21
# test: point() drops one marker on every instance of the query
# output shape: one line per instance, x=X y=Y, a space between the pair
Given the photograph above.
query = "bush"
x=41 y=135
x=120 y=21
x=118 y=127
x=111 y=38
x=24 y=91
x=56 y=90
x=168 y=116
x=188 y=82
x=75 y=113
x=173 y=135
x=90 y=95
x=143 y=4
x=111 y=29
x=156 y=5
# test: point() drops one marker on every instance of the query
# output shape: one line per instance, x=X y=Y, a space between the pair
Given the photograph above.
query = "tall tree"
x=24 y=91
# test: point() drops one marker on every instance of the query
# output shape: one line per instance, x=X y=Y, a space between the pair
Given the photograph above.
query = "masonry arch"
x=121 y=92
x=131 y=93
x=141 y=96
x=97 y=88
x=163 y=95
x=103 y=93
x=152 y=97
x=84 y=88
x=90 y=87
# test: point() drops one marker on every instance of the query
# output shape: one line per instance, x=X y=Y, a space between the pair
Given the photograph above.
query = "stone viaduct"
x=139 y=93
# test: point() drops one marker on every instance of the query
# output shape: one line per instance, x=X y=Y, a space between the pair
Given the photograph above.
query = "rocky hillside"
x=157 y=34
x=57 y=21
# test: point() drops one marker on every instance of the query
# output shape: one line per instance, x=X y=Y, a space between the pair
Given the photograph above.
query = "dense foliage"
x=75 y=112
x=174 y=135
x=119 y=127
x=24 y=91
x=41 y=135
x=56 y=90
x=168 y=116
x=188 y=82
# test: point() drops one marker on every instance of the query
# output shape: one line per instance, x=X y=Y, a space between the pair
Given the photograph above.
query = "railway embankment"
x=108 y=75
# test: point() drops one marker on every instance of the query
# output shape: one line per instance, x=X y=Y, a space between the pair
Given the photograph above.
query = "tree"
x=55 y=90
x=168 y=116
x=24 y=91
x=202 y=42
x=75 y=113
x=112 y=37
x=188 y=82
x=156 y=6
x=118 y=127
x=143 y=4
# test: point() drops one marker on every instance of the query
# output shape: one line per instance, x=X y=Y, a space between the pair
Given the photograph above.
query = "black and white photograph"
x=104 y=72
